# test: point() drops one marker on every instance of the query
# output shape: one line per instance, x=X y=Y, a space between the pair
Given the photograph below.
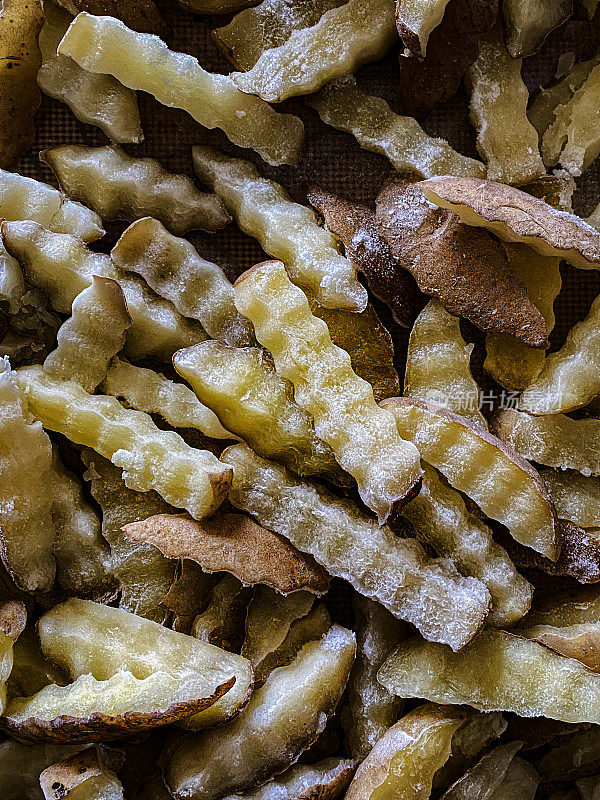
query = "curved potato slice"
x=416 y=20
x=484 y=468
x=119 y=186
x=528 y=23
x=326 y=780
x=144 y=62
x=288 y=711
x=82 y=776
x=576 y=497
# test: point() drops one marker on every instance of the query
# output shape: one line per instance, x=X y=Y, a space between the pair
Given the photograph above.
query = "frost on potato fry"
x=576 y=497
x=151 y=392
x=82 y=776
x=499 y=100
x=377 y=128
x=221 y=623
x=484 y=468
x=440 y=519
x=91 y=336
x=254 y=402
x=284 y=229
x=27 y=530
x=267 y=25
x=466 y=270
x=288 y=711
x=143 y=62
x=485 y=776
x=326 y=780
x=343 y=39
x=438 y=364
x=20 y=59
x=173 y=268
x=528 y=23
x=119 y=186
x=416 y=20
x=150 y=458
x=141 y=15
x=393 y=571
x=515 y=216
x=232 y=543
x=94 y=99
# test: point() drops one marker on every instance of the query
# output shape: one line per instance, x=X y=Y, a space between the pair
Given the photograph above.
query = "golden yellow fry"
x=81 y=776
x=528 y=23
x=416 y=20
x=499 y=100
x=485 y=776
x=343 y=39
x=438 y=364
x=326 y=780
x=144 y=62
x=285 y=229
x=62 y=267
x=393 y=571
x=576 y=497
x=222 y=622
x=150 y=458
x=400 y=138
x=269 y=619
x=481 y=466
x=251 y=400
x=94 y=99
x=520 y=782
x=362 y=436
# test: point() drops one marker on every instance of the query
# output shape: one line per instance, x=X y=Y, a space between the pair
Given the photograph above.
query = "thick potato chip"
x=466 y=270
x=393 y=571
x=285 y=229
x=62 y=267
x=485 y=776
x=21 y=764
x=499 y=100
x=288 y=712
x=20 y=59
x=232 y=543
x=401 y=139
x=528 y=23
x=516 y=216
x=177 y=80
x=82 y=776
x=484 y=468
x=94 y=99
x=141 y=15
x=251 y=400
x=438 y=364
x=326 y=780
x=119 y=186
x=416 y=20
x=150 y=458
x=343 y=39
x=576 y=497
x=222 y=622
x=346 y=416
x=371 y=709
x=571 y=756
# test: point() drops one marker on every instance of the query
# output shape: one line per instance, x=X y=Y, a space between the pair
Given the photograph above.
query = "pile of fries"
x=194 y=471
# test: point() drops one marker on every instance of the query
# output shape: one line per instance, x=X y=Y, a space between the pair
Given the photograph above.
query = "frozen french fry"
x=416 y=20
x=529 y=23
x=576 y=497
x=328 y=779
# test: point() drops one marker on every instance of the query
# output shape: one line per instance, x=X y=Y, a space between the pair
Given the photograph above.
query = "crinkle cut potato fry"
x=289 y=711
x=364 y=441
x=284 y=229
x=20 y=59
x=576 y=497
x=325 y=780
x=94 y=99
x=81 y=776
x=144 y=62
x=528 y=23
x=150 y=458
x=119 y=186
x=416 y=19
x=484 y=468
x=377 y=128
x=344 y=38
x=395 y=572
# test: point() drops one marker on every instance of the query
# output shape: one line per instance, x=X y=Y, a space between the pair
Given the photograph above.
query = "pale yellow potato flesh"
x=502 y=483
x=362 y=436
x=82 y=776
x=286 y=230
x=576 y=497
x=393 y=571
x=150 y=458
x=326 y=780
x=486 y=775
x=416 y=19
x=400 y=138
x=438 y=368
x=144 y=62
x=94 y=99
x=528 y=23
x=520 y=782
x=343 y=39
x=119 y=186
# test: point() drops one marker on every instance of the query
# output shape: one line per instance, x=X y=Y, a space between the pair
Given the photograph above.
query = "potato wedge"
x=222 y=622
x=497 y=671
x=378 y=129
x=118 y=186
x=20 y=59
x=447 y=260
x=529 y=23
x=428 y=593
x=515 y=216
x=284 y=229
x=326 y=780
x=141 y=15
x=288 y=711
x=232 y=543
x=150 y=458
x=346 y=416
x=416 y=20
x=344 y=38
x=484 y=468
x=94 y=99
x=576 y=497
x=571 y=756
x=178 y=81
x=82 y=776
x=485 y=776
